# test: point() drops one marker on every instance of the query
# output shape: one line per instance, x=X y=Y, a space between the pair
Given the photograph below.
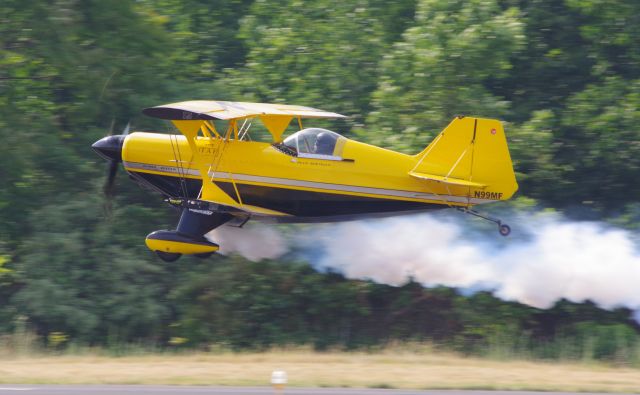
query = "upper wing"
x=226 y=110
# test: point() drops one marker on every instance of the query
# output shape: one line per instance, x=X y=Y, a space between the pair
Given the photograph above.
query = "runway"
x=187 y=390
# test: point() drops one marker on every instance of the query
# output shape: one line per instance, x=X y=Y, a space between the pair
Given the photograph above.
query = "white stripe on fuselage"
x=181 y=171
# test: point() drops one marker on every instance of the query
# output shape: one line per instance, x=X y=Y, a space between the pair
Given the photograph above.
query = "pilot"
x=325 y=142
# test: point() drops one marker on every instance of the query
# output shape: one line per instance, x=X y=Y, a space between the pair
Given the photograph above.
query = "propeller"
x=112 y=169
x=110 y=148
x=108 y=188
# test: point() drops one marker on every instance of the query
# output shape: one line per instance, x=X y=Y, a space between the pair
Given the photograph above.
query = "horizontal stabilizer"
x=446 y=180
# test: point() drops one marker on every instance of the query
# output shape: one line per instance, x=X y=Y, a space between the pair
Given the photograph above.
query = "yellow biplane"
x=219 y=175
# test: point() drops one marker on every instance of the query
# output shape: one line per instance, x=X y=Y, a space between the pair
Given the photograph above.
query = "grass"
x=418 y=368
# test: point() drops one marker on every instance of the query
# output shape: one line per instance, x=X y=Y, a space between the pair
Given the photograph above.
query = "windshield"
x=315 y=141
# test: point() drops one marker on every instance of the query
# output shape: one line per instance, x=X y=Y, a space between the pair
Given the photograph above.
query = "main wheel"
x=504 y=229
x=168 y=256
x=204 y=255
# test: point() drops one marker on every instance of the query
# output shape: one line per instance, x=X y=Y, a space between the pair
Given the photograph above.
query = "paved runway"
x=187 y=390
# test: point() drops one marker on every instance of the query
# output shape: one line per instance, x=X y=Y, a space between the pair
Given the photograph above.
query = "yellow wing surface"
x=470 y=152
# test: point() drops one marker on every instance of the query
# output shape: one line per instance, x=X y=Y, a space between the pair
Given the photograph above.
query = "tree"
x=602 y=143
x=322 y=54
x=535 y=150
x=77 y=274
x=444 y=67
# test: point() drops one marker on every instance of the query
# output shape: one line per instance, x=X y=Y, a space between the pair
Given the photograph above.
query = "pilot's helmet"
x=325 y=143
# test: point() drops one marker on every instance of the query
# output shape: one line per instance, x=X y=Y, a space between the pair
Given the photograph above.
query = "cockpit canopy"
x=315 y=141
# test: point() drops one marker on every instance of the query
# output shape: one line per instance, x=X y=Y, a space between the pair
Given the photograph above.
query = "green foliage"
x=7 y=288
x=442 y=68
x=600 y=127
x=322 y=53
x=612 y=29
x=78 y=276
x=262 y=304
x=205 y=35
x=64 y=80
x=534 y=150
x=556 y=61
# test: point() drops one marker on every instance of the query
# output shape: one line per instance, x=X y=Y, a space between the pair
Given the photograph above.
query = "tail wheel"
x=504 y=229
x=168 y=256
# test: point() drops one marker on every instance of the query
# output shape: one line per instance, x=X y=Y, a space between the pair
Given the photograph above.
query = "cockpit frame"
x=313 y=143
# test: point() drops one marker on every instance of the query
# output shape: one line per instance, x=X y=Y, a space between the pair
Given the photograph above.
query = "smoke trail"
x=544 y=260
x=553 y=260
x=254 y=241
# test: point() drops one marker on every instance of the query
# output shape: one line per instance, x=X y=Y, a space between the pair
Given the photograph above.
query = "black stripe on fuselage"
x=298 y=203
x=170 y=185
x=302 y=203
x=227 y=187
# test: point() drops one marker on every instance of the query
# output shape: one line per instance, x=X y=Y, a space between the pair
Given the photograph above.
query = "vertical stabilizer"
x=470 y=152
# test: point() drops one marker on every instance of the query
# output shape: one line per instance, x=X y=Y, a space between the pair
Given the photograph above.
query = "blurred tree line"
x=563 y=74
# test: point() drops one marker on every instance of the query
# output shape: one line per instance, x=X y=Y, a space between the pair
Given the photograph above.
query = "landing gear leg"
x=503 y=229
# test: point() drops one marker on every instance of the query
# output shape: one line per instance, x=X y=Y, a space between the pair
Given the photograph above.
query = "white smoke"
x=557 y=259
x=546 y=259
x=254 y=241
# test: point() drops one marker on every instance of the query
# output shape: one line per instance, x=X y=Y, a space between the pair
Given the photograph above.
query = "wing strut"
x=210 y=191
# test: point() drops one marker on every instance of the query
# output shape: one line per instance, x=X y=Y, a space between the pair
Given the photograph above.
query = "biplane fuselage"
x=226 y=178
x=266 y=182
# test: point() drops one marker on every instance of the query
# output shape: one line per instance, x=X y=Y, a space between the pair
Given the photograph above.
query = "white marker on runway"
x=278 y=380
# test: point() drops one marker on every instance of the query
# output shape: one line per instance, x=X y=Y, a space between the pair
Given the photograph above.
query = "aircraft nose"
x=110 y=147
